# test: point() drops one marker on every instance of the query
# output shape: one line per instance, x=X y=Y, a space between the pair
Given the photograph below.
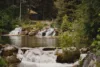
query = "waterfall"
x=49 y=32
x=36 y=57
x=46 y=32
x=16 y=31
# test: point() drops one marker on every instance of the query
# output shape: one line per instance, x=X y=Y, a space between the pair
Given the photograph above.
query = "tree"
x=65 y=26
x=66 y=7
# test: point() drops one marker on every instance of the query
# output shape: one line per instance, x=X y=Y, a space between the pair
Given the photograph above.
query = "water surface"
x=29 y=41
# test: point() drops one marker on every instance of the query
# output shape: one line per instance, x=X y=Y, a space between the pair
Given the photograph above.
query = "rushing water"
x=29 y=41
x=36 y=56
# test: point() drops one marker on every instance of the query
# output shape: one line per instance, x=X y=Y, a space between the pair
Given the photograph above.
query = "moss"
x=98 y=64
x=2 y=62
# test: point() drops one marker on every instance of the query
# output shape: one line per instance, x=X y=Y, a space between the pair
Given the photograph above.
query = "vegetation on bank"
x=2 y=62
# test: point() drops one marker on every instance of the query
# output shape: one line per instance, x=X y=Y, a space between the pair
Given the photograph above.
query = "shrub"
x=39 y=25
x=65 y=26
x=65 y=39
x=96 y=44
x=2 y=63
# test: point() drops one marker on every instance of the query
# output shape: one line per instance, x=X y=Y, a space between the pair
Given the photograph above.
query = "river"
x=29 y=41
x=35 y=57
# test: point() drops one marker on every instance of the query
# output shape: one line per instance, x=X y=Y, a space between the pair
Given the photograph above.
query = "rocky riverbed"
x=41 y=56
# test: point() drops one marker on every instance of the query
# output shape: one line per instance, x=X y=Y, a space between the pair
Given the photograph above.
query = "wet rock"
x=32 y=33
x=24 y=32
x=24 y=49
x=69 y=55
x=9 y=50
x=84 y=50
x=58 y=52
x=47 y=49
x=12 y=59
x=1 y=46
x=90 y=61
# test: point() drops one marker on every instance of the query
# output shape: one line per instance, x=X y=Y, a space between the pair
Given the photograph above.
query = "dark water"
x=29 y=41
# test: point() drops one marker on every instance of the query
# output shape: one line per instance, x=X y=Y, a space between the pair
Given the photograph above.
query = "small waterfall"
x=16 y=31
x=47 y=32
x=36 y=57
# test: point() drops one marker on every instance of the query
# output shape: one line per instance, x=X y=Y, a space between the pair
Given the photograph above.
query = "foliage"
x=6 y=20
x=97 y=64
x=61 y=7
x=2 y=62
x=66 y=39
x=65 y=26
x=66 y=7
x=30 y=26
x=39 y=25
x=92 y=23
x=96 y=45
x=76 y=32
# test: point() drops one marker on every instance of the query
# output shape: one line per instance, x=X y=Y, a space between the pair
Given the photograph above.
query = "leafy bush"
x=96 y=44
x=65 y=26
x=74 y=36
x=2 y=63
x=65 y=39
x=39 y=25
x=32 y=26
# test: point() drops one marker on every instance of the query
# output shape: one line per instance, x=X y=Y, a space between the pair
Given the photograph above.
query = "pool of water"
x=29 y=41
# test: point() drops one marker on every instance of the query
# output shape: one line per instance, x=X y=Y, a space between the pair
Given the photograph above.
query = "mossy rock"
x=68 y=56
x=9 y=50
x=2 y=62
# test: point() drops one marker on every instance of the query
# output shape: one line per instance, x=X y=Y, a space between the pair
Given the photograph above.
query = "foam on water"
x=16 y=31
x=38 y=58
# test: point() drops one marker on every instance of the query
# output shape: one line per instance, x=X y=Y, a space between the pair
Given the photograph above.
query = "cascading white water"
x=48 y=32
x=16 y=31
x=38 y=58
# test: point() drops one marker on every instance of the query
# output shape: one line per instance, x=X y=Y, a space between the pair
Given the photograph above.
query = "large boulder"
x=69 y=55
x=9 y=50
x=1 y=46
x=91 y=60
x=33 y=33
x=24 y=32
x=12 y=59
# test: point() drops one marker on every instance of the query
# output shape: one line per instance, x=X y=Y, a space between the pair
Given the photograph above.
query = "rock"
x=12 y=59
x=90 y=61
x=9 y=50
x=1 y=46
x=58 y=52
x=84 y=50
x=69 y=55
x=24 y=49
x=13 y=65
x=32 y=33
x=47 y=49
x=24 y=32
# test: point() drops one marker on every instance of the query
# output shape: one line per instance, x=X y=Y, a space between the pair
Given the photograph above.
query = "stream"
x=35 y=56
x=29 y=41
